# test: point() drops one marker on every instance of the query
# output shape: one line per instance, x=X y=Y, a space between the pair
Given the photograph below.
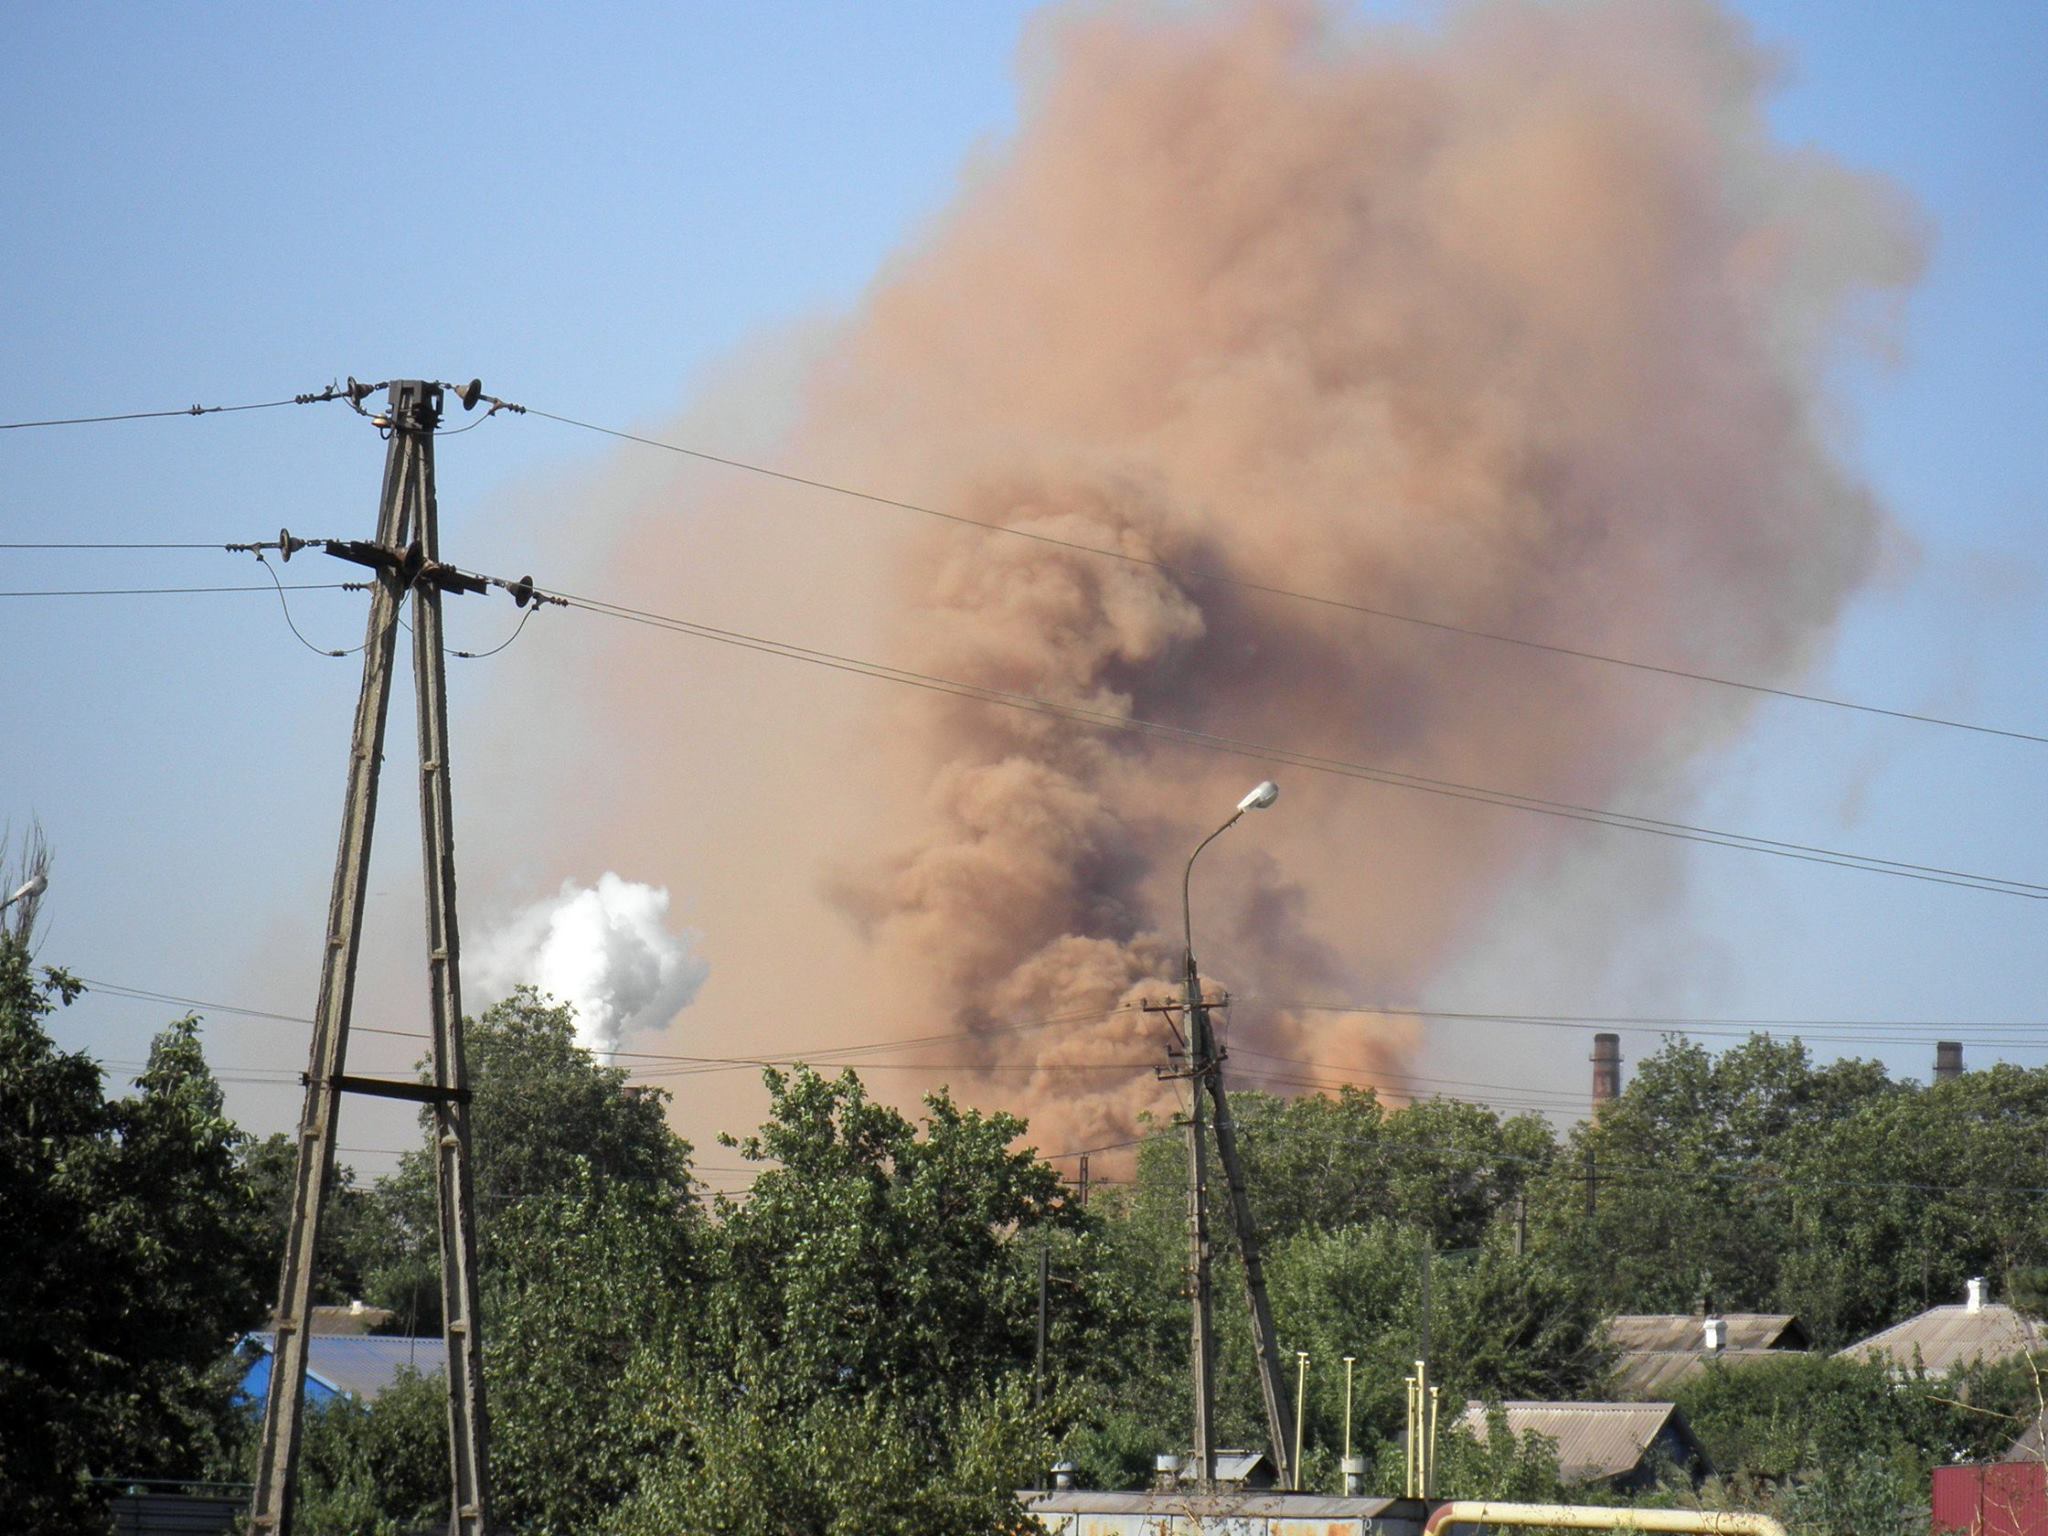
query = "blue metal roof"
x=359 y=1365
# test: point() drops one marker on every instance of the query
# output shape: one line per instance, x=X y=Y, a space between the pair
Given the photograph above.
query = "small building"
x=1943 y=1339
x=1657 y=1351
x=1623 y=1446
x=1079 y=1512
x=358 y=1366
x=1244 y=1502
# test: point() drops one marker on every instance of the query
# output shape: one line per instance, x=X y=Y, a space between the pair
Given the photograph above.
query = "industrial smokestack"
x=1606 y=1069
x=1948 y=1060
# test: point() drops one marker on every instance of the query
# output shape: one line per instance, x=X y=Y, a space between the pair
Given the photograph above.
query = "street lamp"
x=1261 y=797
x=37 y=884
x=1200 y=1067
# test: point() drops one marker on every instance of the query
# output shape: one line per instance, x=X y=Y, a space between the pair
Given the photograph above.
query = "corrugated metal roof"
x=1082 y=1501
x=1077 y=1512
x=1233 y=1467
x=1687 y=1330
x=363 y=1366
x=1943 y=1338
x=1595 y=1441
x=1656 y=1373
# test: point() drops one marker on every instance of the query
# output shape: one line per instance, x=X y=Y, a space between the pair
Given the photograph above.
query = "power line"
x=1339 y=767
x=331 y=392
x=823 y=1055
x=289 y=586
x=1722 y=1025
x=351 y=394
x=292 y=624
x=1822 y=1030
x=1215 y=578
x=144 y=994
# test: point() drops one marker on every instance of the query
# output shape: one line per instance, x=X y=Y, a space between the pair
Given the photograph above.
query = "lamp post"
x=1200 y=1065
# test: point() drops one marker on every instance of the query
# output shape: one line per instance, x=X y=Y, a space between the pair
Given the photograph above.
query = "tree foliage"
x=546 y=1119
x=851 y=1344
x=132 y=1260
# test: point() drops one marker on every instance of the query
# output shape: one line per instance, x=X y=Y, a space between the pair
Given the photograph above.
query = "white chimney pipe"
x=1714 y=1334
x=1974 y=1294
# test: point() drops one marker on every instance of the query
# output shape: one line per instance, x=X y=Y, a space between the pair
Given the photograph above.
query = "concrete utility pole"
x=1205 y=1075
x=405 y=556
x=1272 y=1383
x=1200 y=1326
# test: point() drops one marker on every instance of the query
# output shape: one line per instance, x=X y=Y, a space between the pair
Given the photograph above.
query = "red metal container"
x=2005 y=1498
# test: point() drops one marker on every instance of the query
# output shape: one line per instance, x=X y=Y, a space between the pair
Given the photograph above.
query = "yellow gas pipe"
x=1589 y=1517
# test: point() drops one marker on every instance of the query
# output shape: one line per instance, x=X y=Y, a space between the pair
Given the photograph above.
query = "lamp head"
x=1261 y=797
x=37 y=884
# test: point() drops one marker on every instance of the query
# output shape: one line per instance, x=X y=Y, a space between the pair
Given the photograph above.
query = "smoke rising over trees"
x=1525 y=325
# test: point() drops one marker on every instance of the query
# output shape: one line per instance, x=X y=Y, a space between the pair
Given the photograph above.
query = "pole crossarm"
x=387 y=1088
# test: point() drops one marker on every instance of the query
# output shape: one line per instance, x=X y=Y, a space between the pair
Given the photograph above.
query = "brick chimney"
x=1948 y=1060
x=1606 y=1069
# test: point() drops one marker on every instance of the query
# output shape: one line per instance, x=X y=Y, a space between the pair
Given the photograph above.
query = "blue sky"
x=599 y=209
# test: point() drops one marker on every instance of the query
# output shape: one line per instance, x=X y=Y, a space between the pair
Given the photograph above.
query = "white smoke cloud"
x=605 y=949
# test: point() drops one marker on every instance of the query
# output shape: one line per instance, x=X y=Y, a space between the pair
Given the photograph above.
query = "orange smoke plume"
x=1523 y=326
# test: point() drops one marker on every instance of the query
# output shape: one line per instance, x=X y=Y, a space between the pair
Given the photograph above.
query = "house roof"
x=2032 y=1445
x=353 y=1318
x=1635 y=1331
x=1327 y=1510
x=1595 y=1441
x=364 y=1365
x=356 y=1319
x=1943 y=1338
x=1656 y=1373
x=1658 y=1350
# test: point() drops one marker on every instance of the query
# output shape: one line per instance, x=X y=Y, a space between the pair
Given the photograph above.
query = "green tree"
x=877 y=1253
x=545 y=1118
x=375 y=1469
x=1900 y=1203
x=131 y=1262
x=1326 y=1161
x=871 y=1321
x=1346 y=1194
x=1701 y=1166
x=841 y=1465
x=1786 y=1422
x=1501 y=1326
x=585 y=1282
x=271 y=1165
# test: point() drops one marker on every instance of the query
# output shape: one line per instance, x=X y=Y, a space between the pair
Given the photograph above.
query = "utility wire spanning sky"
x=642 y=220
